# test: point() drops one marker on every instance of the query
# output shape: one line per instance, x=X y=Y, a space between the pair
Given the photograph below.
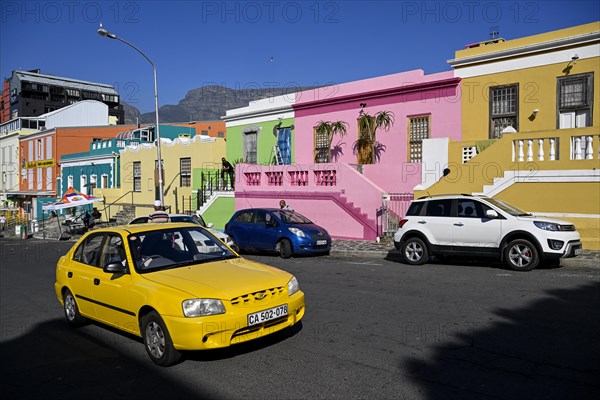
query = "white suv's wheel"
x=521 y=255
x=414 y=251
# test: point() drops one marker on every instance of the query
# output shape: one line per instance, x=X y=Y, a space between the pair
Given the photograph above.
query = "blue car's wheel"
x=284 y=247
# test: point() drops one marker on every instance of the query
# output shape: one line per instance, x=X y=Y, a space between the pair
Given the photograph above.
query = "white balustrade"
x=531 y=154
x=578 y=153
x=552 y=150
x=521 y=154
x=589 y=148
x=541 y=149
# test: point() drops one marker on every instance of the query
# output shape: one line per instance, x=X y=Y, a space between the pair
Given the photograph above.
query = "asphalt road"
x=374 y=328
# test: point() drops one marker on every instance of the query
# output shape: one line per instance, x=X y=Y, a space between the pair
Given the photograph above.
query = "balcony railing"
x=547 y=148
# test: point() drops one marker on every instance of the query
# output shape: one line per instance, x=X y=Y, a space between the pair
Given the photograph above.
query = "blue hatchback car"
x=272 y=229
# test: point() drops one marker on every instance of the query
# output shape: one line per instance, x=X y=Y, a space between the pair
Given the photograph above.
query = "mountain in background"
x=208 y=103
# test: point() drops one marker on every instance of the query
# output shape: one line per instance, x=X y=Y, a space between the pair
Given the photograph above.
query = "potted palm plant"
x=367 y=130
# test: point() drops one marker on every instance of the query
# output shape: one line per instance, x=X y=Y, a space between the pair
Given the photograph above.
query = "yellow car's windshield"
x=174 y=247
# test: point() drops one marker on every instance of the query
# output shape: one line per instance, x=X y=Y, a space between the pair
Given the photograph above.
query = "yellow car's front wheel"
x=157 y=340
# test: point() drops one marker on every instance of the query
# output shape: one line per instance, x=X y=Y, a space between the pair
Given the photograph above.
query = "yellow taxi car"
x=175 y=285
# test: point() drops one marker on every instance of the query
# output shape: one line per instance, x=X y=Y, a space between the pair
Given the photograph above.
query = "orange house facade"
x=215 y=129
x=39 y=168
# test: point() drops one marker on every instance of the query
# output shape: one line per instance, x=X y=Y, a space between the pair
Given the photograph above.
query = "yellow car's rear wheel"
x=71 y=310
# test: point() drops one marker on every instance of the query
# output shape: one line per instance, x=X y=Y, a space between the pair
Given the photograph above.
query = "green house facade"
x=253 y=132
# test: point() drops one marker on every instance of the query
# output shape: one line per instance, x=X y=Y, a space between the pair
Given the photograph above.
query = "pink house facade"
x=344 y=196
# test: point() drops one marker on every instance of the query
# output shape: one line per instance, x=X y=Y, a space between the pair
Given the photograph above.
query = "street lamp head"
x=103 y=32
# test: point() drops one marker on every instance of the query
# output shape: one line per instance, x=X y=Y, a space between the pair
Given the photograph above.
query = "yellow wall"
x=203 y=155
x=529 y=40
x=537 y=90
x=537 y=84
x=551 y=197
x=578 y=202
x=557 y=198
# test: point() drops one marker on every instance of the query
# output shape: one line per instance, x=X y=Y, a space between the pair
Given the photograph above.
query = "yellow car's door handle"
x=96 y=281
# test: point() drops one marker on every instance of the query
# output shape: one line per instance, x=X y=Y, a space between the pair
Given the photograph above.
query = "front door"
x=112 y=291
x=266 y=231
x=81 y=273
x=472 y=229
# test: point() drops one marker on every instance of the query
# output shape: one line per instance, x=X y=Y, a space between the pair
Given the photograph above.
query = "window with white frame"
x=70 y=181
x=574 y=98
x=322 y=150
x=83 y=187
x=104 y=181
x=250 y=147
x=418 y=130
x=504 y=109
x=185 y=172
x=137 y=176
x=93 y=181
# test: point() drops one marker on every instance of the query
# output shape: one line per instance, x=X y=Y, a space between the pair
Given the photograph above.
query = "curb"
x=591 y=260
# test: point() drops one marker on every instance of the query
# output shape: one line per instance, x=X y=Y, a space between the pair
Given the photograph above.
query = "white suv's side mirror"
x=491 y=214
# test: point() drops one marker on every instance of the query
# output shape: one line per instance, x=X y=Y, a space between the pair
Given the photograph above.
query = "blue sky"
x=249 y=44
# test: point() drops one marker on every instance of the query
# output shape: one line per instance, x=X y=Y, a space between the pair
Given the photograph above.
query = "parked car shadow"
x=223 y=353
x=547 y=349
x=395 y=256
x=55 y=361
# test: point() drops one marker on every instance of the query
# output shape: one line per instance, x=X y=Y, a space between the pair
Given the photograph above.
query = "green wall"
x=220 y=212
x=265 y=142
x=209 y=173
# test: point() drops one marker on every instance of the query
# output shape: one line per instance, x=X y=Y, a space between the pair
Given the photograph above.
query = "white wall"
x=435 y=159
x=268 y=109
x=83 y=113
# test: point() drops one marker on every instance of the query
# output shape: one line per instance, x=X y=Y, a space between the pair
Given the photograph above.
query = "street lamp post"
x=105 y=33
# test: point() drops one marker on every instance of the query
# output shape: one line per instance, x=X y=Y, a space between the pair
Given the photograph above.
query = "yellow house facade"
x=180 y=156
x=531 y=126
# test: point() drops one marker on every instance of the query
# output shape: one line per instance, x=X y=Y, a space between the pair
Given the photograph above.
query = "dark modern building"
x=30 y=94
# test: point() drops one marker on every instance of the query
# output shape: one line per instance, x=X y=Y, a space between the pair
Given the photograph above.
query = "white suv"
x=482 y=226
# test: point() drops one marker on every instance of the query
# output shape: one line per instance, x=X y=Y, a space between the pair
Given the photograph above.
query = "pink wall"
x=405 y=94
x=335 y=195
x=323 y=210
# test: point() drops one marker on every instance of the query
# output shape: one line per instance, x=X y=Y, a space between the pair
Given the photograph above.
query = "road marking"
x=363 y=263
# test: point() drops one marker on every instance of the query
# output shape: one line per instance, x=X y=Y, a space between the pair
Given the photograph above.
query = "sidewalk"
x=362 y=248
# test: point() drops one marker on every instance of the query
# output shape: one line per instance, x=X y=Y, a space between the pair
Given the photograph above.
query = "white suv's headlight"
x=202 y=307
x=547 y=226
x=293 y=286
x=297 y=232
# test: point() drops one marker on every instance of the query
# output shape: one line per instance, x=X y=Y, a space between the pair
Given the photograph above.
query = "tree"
x=367 y=130
x=329 y=130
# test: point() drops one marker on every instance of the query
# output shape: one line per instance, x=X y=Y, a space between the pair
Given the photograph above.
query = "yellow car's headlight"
x=293 y=286
x=202 y=307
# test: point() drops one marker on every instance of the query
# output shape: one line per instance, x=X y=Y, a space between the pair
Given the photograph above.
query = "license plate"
x=321 y=242
x=577 y=252
x=267 y=315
